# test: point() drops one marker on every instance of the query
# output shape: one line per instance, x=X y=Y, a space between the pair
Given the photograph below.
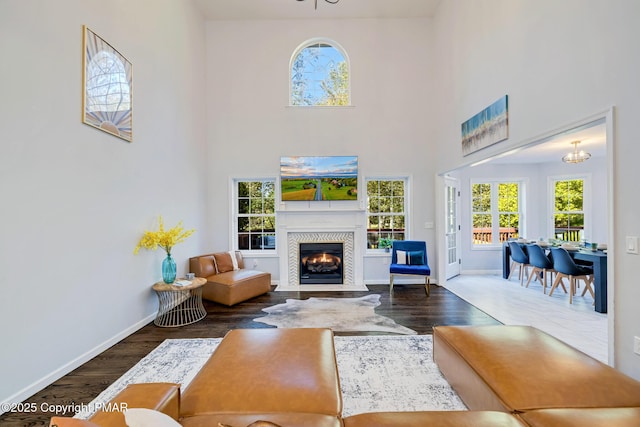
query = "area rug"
x=377 y=373
x=339 y=314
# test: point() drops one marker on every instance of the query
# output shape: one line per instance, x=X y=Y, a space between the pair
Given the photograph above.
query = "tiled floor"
x=577 y=324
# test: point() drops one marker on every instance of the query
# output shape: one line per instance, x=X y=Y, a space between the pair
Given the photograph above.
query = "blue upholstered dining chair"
x=565 y=266
x=518 y=258
x=409 y=257
x=541 y=265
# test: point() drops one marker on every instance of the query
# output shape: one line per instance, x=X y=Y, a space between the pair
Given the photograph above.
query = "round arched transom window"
x=319 y=75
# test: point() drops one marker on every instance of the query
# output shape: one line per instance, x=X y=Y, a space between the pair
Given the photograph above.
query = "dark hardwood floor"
x=408 y=306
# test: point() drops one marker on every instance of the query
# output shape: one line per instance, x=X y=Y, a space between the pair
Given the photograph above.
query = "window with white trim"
x=386 y=210
x=569 y=212
x=254 y=214
x=319 y=75
x=496 y=212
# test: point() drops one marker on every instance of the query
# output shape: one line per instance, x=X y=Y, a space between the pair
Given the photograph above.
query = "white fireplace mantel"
x=302 y=226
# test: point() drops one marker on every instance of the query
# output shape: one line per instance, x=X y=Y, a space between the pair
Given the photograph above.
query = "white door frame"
x=608 y=117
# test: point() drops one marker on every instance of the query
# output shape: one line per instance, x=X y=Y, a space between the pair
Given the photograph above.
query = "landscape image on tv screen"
x=319 y=178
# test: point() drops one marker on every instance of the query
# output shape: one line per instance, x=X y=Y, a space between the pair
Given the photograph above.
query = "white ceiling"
x=295 y=9
x=592 y=140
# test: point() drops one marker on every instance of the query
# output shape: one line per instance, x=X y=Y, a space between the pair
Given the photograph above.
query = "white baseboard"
x=47 y=380
x=482 y=272
x=399 y=281
x=338 y=288
x=329 y=288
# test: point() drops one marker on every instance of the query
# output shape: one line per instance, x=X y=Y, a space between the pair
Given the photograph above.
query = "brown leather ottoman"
x=593 y=417
x=520 y=368
x=435 y=418
x=287 y=376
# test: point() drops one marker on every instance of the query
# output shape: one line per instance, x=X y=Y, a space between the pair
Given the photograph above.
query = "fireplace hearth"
x=321 y=263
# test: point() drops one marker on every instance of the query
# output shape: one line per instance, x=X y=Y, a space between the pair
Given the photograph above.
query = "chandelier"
x=576 y=156
x=328 y=1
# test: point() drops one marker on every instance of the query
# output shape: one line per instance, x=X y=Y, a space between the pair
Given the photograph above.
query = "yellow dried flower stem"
x=166 y=239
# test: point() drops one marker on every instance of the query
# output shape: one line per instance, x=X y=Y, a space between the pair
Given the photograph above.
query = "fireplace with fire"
x=321 y=263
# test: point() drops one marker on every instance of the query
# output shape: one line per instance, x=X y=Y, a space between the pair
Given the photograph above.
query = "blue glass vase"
x=169 y=269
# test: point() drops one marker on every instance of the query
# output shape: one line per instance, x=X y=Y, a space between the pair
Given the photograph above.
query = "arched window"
x=320 y=75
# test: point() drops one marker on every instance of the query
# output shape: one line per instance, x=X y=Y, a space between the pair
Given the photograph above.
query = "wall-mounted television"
x=319 y=178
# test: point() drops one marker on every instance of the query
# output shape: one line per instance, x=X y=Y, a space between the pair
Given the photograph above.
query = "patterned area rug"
x=339 y=314
x=377 y=373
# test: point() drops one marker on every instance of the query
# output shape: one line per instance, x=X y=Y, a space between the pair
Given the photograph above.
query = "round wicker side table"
x=179 y=305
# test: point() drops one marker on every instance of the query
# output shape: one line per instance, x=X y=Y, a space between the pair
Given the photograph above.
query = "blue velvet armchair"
x=409 y=257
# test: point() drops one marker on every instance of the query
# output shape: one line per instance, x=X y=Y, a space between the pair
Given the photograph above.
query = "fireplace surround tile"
x=293 y=245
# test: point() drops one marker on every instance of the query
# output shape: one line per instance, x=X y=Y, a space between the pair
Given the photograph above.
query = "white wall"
x=251 y=126
x=559 y=62
x=536 y=198
x=75 y=199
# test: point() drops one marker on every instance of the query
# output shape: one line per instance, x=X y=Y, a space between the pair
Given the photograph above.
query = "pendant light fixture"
x=328 y=1
x=576 y=156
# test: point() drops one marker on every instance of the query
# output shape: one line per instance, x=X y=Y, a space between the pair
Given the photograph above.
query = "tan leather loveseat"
x=228 y=281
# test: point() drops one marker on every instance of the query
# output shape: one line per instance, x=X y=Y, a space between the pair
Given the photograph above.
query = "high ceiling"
x=295 y=9
x=593 y=139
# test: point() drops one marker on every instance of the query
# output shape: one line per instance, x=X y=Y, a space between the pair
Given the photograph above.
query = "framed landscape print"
x=106 y=87
x=489 y=126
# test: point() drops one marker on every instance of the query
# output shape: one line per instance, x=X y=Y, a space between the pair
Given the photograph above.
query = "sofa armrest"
x=163 y=397
x=74 y=422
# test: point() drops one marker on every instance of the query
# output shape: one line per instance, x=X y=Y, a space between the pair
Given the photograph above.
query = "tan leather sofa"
x=507 y=376
x=286 y=376
x=228 y=283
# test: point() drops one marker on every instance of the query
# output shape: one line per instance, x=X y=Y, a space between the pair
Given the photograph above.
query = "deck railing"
x=484 y=235
x=570 y=234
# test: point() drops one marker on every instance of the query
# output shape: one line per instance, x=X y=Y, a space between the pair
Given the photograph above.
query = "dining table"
x=597 y=258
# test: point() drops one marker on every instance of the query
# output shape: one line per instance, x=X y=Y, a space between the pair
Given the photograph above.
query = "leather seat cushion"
x=520 y=368
x=258 y=371
x=435 y=418
x=236 y=286
x=593 y=417
x=233 y=277
x=245 y=419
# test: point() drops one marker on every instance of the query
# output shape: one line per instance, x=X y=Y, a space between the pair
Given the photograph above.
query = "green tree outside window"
x=385 y=210
x=568 y=217
x=495 y=212
x=320 y=76
x=255 y=218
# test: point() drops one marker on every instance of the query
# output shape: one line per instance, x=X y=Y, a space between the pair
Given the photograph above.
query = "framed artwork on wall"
x=106 y=87
x=489 y=126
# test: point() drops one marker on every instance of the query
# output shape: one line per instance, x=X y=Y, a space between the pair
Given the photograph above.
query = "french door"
x=452 y=227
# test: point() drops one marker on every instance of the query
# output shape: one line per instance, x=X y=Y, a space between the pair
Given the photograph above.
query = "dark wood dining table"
x=597 y=258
